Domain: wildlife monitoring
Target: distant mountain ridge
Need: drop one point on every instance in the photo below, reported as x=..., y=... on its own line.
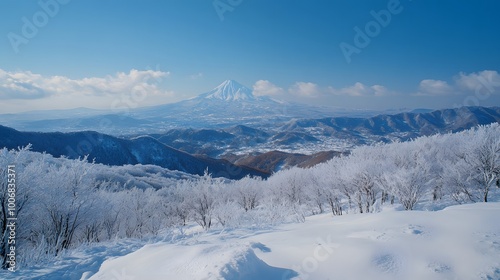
x=402, y=126
x=230, y=103
x=259, y=149
x=338, y=133
x=111, y=150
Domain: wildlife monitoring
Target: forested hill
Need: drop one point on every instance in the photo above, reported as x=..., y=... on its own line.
x=111, y=150
x=402, y=126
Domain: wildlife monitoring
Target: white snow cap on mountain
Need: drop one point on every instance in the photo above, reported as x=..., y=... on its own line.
x=230, y=90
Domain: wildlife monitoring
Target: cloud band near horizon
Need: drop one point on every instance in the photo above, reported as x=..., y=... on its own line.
x=25, y=85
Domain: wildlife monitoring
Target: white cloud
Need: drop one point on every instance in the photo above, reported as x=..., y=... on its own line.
x=359, y=89
x=264, y=87
x=484, y=81
x=434, y=88
x=27, y=85
x=196, y=76
x=304, y=89
x=379, y=90
x=487, y=79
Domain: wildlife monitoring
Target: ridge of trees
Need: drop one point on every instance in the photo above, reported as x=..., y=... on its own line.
x=64, y=203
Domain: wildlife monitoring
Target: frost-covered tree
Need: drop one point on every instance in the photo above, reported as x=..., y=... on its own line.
x=315, y=191
x=15, y=194
x=175, y=204
x=248, y=192
x=361, y=171
x=202, y=200
x=288, y=188
x=65, y=203
x=483, y=157
x=328, y=175
x=410, y=176
x=471, y=167
x=456, y=177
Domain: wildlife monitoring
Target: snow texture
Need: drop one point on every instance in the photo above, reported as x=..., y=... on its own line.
x=459, y=242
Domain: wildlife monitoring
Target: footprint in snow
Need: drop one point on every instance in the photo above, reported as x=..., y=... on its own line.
x=439, y=267
x=414, y=229
x=387, y=263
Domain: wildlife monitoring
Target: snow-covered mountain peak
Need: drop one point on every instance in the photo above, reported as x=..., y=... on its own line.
x=230, y=90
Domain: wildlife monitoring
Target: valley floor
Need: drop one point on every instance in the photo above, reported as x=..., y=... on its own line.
x=458, y=242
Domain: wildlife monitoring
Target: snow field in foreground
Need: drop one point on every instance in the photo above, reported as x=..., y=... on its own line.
x=459, y=242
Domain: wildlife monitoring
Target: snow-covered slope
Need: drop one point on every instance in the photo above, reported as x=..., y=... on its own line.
x=459, y=242
x=229, y=90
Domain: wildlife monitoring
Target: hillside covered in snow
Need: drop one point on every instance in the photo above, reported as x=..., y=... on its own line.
x=80, y=219
x=459, y=242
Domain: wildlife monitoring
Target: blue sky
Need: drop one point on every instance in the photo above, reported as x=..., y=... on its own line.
x=432, y=54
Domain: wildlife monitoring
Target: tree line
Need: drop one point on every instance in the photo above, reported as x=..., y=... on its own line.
x=65, y=203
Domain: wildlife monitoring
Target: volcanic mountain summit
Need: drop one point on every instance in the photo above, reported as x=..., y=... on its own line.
x=229, y=90
x=230, y=103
